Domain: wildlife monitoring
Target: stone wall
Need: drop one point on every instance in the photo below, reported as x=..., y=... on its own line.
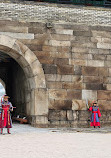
x=76, y=59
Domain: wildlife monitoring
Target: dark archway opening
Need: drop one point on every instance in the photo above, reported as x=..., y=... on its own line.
x=15, y=81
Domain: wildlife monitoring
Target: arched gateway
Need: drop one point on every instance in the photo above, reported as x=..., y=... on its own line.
x=36, y=96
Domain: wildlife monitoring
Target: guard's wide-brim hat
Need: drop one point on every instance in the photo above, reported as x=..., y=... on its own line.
x=6, y=97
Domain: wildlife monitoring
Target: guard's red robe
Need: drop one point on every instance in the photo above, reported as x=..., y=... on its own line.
x=5, y=117
x=95, y=116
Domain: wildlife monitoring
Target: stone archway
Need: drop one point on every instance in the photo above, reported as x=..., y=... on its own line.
x=37, y=97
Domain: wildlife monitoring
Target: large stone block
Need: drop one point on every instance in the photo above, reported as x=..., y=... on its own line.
x=59, y=43
x=94, y=86
x=70, y=116
x=72, y=85
x=107, y=80
x=93, y=79
x=60, y=104
x=89, y=71
x=101, y=34
x=57, y=94
x=74, y=94
x=54, y=85
x=41, y=101
x=60, y=61
x=77, y=70
x=84, y=115
x=64, y=31
x=18, y=35
x=104, y=95
x=80, y=56
x=77, y=78
x=62, y=37
x=103, y=71
x=54, y=115
x=66, y=78
x=104, y=106
x=104, y=45
x=99, y=57
x=50, y=69
x=65, y=69
x=63, y=115
x=84, y=45
x=95, y=63
x=78, y=62
x=82, y=33
x=53, y=77
x=78, y=104
x=79, y=50
x=45, y=60
x=49, y=48
x=89, y=94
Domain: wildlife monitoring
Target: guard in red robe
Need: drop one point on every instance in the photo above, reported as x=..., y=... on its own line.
x=95, y=115
x=5, y=116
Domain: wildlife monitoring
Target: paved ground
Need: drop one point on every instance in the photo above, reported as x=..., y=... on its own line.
x=26, y=141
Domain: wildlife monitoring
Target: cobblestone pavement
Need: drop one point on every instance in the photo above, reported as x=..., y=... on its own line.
x=26, y=141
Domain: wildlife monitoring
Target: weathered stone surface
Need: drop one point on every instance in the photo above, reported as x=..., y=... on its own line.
x=78, y=62
x=77, y=70
x=79, y=50
x=57, y=94
x=41, y=101
x=66, y=32
x=99, y=57
x=101, y=34
x=107, y=80
x=94, y=86
x=59, y=43
x=78, y=104
x=60, y=104
x=107, y=64
x=103, y=72
x=72, y=85
x=84, y=115
x=84, y=45
x=89, y=94
x=45, y=60
x=79, y=56
x=104, y=95
x=77, y=78
x=49, y=69
x=65, y=69
x=53, y=77
x=89, y=71
x=18, y=35
x=66, y=78
x=54, y=85
x=69, y=115
x=82, y=33
x=60, y=61
x=63, y=115
x=15, y=29
x=104, y=105
x=93, y=79
x=95, y=63
x=104, y=45
x=54, y=115
x=62, y=37
x=74, y=94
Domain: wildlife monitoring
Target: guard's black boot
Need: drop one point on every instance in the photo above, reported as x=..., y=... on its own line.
x=8, y=131
x=1, y=130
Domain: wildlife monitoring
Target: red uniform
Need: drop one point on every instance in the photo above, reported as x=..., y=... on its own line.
x=95, y=116
x=5, y=117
